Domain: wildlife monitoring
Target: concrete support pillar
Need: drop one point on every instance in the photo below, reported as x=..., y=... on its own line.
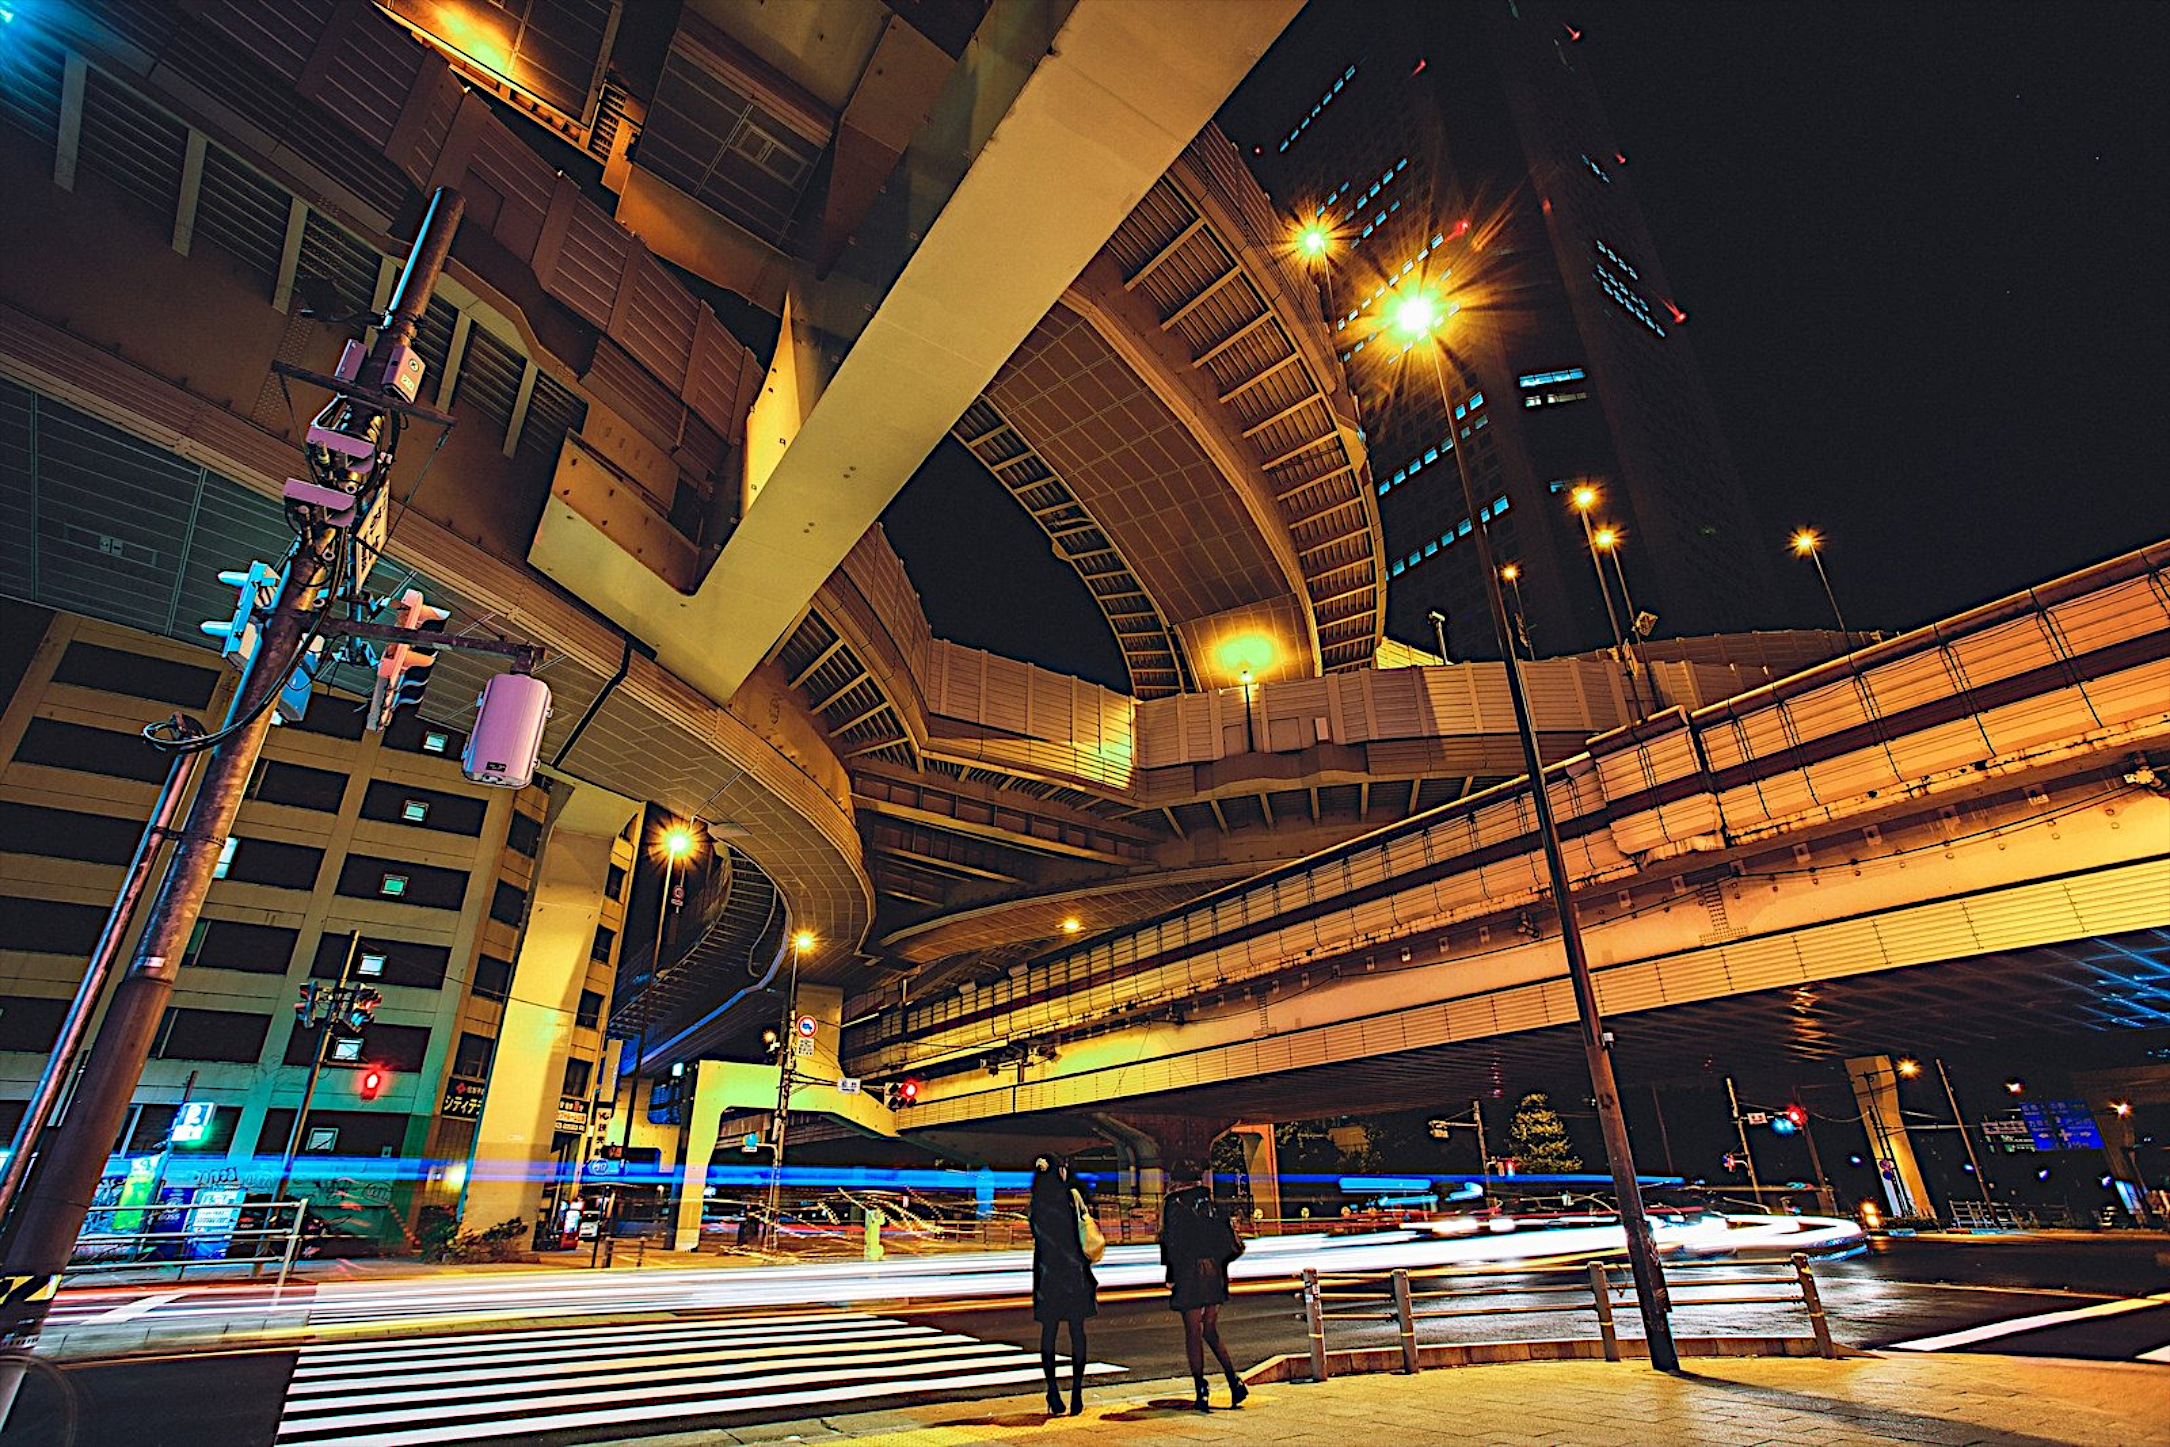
x=1875, y=1080
x=512, y=1159
x=704, y=1107
x=1150, y=1145
x=1262, y=1163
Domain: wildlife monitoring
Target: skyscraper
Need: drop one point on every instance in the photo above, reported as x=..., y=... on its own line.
x=1462, y=148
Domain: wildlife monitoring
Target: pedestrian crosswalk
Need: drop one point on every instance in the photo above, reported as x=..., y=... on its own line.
x=622, y=1379
x=2130, y=1328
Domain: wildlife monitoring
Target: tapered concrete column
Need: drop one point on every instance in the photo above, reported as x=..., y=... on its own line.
x=512, y=1159
x=1153, y=1144
x=1262, y=1163
x=704, y=1114
x=1875, y=1080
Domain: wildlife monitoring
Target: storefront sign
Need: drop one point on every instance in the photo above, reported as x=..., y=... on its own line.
x=463, y=1099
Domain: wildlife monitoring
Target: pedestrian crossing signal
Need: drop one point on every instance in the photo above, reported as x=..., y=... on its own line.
x=371, y=1084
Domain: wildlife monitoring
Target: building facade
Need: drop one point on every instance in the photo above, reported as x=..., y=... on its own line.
x=358, y=853
x=1463, y=149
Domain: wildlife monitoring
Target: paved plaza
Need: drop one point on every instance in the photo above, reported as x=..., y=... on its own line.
x=1742, y=1402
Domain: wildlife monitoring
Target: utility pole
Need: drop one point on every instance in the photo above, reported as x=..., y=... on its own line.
x=353, y=429
x=1824, y=1197
x=1966, y=1137
x=1748, y=1157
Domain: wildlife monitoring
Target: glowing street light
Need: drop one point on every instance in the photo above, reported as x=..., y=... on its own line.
x=1417, y=315
x=1315, y=241
x=1072, y=925
x=1511, y=575
x=1909, y=1068
x=1808, y=543
x=1585, y=497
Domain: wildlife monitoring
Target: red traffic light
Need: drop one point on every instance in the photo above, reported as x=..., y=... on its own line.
x=370, y=1083
x=908, y=1091
x=1797, y=1115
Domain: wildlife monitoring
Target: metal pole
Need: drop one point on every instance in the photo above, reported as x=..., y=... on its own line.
x=1650, y=1293
x=1966, y=1138
x=1816, y=556
x=1748, y=1157
x=1612, y=619
x=786, y=1047
x=1484, y=1157
x=38, y=1110
x=66, y=1179
x=1824, y=1198
x=1640, y=660
x=333, y=1004
x=1665, y=1139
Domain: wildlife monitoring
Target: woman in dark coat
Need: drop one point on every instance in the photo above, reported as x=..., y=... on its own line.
x=1197, y=1241
x=1063, y=1288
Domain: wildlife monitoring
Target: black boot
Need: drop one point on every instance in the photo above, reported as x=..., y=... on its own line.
x=1203, y=1404
x=1236, y=1390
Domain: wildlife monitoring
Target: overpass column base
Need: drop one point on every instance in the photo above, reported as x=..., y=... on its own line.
x=1150, y=1145
x=1262, y=1164
x=1875, y=1079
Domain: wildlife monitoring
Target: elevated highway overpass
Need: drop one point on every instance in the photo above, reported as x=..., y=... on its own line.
x=1960, y=822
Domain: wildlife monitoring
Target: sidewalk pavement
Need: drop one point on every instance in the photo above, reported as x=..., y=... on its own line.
x=1960, y=1398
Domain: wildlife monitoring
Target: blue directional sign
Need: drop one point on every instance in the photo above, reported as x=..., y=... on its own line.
x=2061, y=1125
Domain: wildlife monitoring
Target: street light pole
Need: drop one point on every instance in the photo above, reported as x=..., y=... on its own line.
x=1808, y=543
x=786, y=1077
x=1740, y=1127
x=1638, y=661
x=1650, y=1291
x=1584, y=497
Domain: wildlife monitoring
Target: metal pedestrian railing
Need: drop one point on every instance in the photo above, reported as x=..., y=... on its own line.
x=255, y=1235
x=1598, y=1290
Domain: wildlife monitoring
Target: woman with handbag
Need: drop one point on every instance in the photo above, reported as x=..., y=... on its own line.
x=1063, y=1288
x=1197, y=1241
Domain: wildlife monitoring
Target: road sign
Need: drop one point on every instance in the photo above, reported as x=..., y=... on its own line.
x=192, y=1124
x=802, y=1047
x=2061, y=1125
x=1888, y=1169
x=808, y=1026
x=751, y=1143
x=847, y=1085
x=1757, y=1117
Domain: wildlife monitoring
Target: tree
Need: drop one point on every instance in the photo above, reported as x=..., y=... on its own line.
x=1540, y=1138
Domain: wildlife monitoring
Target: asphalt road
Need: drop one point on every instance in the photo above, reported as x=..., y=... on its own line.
x=2082, y=1297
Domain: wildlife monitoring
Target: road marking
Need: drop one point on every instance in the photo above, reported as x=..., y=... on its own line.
x=141, y=1306
x=2019, y=1324
x=408, y=1391
x=2160, y=1354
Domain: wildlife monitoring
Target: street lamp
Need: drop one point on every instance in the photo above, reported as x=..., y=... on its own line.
x=1417, y=316
x=1585, y=497
x=786, y=1076
x=1808, y=543
x=676, y=844
x=1607, y=540
x=1511, y=575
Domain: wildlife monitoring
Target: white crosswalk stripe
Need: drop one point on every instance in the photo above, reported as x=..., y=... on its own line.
x=513, y=1384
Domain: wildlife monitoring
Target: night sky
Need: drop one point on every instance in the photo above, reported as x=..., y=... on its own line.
x=1922, y=250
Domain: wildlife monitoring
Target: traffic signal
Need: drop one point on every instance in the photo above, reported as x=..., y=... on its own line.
x=305, y=1005
x=293, y=700
x=403, y=669
x=362, y=1009
x=255, y=591
x=1794, y=1117
x=898, y=1094
x=370, y=1083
